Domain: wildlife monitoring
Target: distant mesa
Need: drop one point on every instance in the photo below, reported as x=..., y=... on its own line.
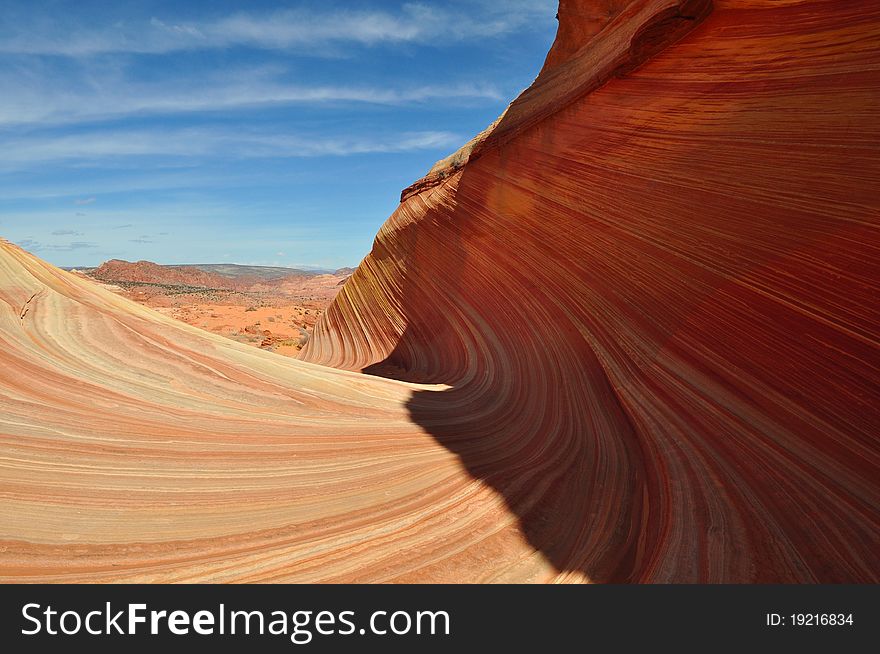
x=201, y=275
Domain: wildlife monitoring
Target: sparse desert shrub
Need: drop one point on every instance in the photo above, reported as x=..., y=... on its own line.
x=289, y=342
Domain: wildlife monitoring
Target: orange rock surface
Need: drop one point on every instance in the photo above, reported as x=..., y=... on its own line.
x=629, y=334
x=657, y=307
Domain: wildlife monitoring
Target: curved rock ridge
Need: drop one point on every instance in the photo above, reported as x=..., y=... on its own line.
x=597, y=40
x=134, y=448
x=634, y=341
x=654, y=297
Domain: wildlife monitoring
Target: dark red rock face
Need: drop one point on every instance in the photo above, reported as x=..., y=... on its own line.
x=654, y=295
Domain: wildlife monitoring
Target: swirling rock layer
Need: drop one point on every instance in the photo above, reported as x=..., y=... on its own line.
x=136, y=448
x=633, y=326
x=657, y=307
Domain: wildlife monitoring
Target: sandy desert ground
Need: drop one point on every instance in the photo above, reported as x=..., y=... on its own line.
x=274, y=309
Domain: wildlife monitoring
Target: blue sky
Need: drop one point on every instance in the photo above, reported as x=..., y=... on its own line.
x=266, y=133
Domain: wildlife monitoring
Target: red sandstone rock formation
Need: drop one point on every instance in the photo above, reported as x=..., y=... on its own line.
x=653, y=288
x=642, y=306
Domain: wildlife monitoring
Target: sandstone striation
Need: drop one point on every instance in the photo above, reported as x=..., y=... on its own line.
x=630, y=334
x=653, y=288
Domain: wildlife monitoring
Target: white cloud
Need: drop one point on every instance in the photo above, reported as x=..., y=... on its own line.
x=297, y=28
x=49, y=90
x=46, y=97
x=21, y=152
x=37, y=246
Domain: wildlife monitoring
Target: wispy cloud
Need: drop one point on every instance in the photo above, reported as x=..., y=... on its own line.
x=37, y=246
x=66, y=232
x=302, y=28
x=84, y=201
x=21, y=152
x=47, y=97
x=76, y=84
